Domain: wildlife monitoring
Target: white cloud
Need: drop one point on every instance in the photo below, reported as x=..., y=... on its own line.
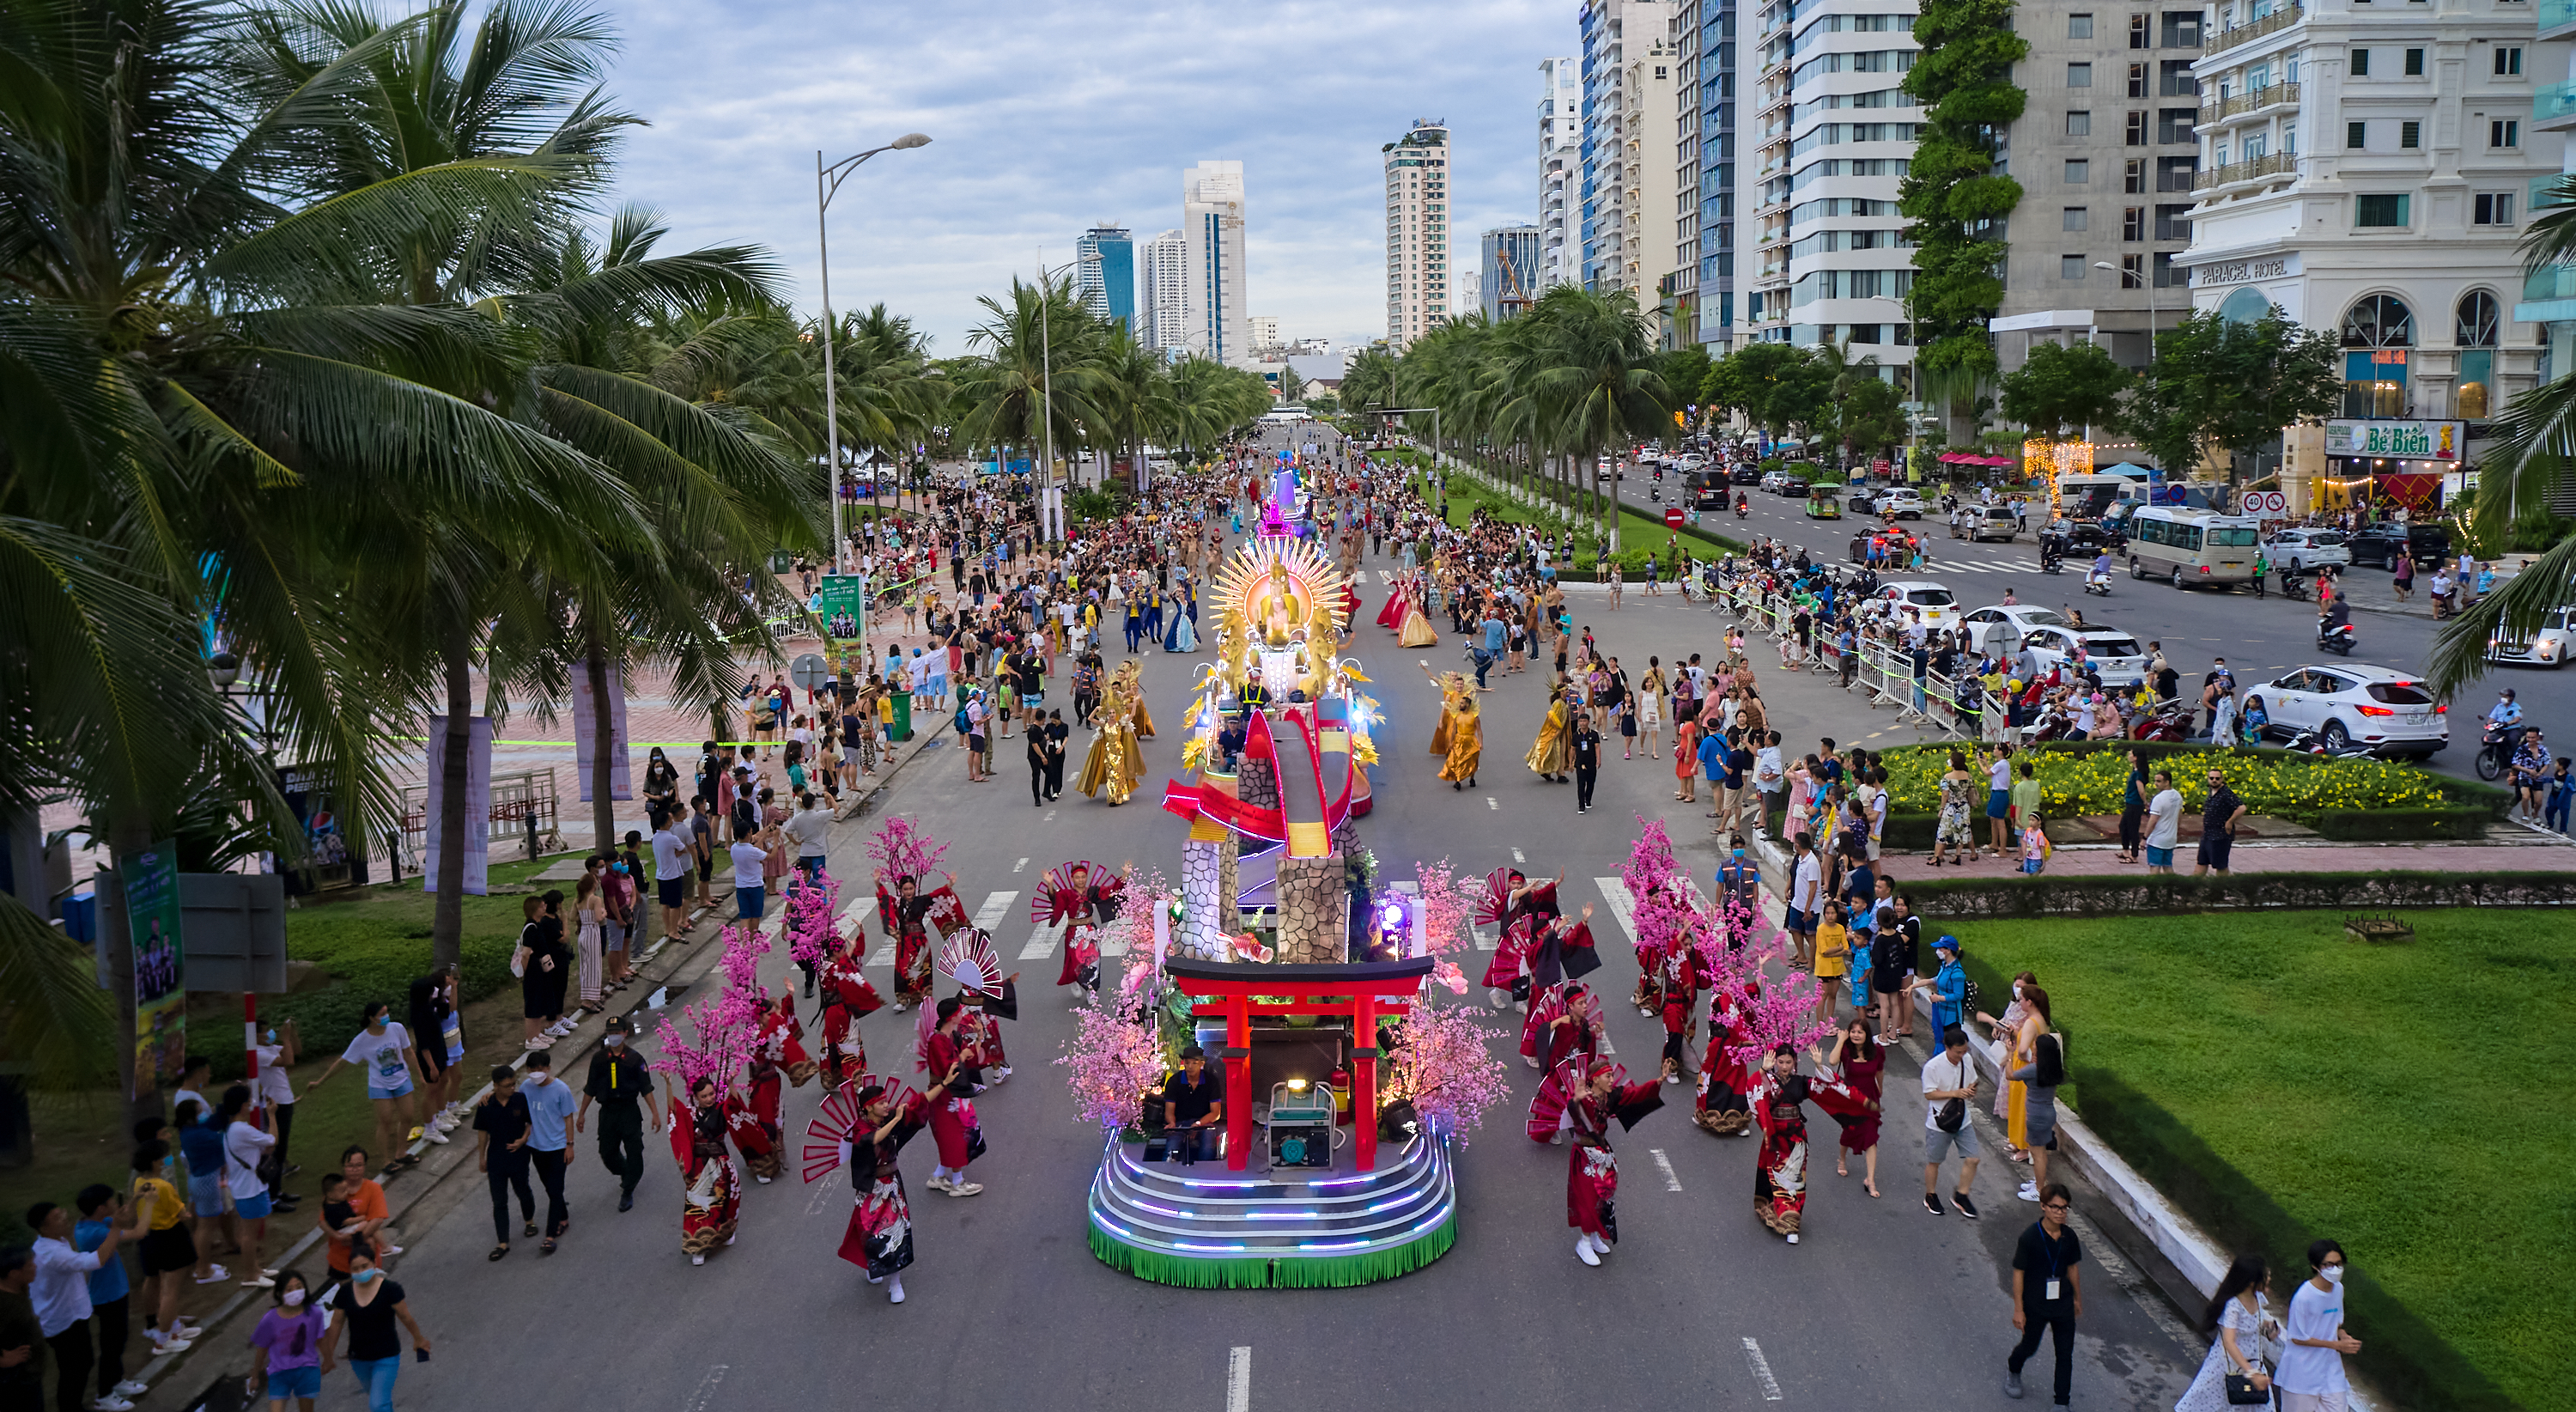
x=1046, y=118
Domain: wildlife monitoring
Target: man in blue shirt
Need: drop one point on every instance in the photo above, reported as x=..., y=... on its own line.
x=1494, y=644
x=550, y=1108
x=1949, y=986
x=100, y=1208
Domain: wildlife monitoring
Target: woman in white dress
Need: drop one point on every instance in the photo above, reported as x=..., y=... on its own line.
x=2241, y=1318
x=1650, y=708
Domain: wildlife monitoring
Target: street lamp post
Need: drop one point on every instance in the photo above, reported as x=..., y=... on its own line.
x=1046, y=385
x=827, y=183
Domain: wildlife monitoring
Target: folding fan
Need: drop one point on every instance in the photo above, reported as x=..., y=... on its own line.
x=969, y=959
x=838, y=1120
x=1060, y=879
x=1498, y=895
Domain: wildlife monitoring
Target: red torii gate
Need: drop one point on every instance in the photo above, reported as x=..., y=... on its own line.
x=1363, y=990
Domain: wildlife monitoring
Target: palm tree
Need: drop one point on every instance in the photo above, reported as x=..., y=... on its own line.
x=1597, y=368
x=1039, y=351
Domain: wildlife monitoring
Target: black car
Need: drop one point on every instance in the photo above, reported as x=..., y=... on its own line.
x=2087, y=534
x=2377, y=545
x=1745, y=473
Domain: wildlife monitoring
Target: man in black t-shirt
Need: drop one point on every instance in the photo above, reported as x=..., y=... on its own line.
x=501, y=1129
x=1587, y=761
x=1193, y=1107
x=621, y=1083
x=2048, y=1292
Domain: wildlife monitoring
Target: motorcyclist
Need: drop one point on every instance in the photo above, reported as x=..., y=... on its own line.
x=2101, y=567
x=2334, y=618
x=2506, y=714
x=2052, y=542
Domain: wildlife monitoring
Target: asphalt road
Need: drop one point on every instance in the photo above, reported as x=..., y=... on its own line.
x=2261, y=639
x=1882, y=1306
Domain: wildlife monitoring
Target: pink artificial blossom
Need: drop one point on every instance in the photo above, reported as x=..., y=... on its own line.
x=901, y=849
x=1115, y=1058
x=1442, y=1066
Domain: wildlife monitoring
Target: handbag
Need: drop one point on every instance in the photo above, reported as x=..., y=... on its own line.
x=1952, y=1116
x=2241, y=1392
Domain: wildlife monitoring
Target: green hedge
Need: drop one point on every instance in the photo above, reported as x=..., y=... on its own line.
x=2086, y=777
x=2018, y=896
x=2381, y=825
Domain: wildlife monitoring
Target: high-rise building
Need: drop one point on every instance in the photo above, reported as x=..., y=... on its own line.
x=2370, y=169
x=1560, y=174
x=2106, y=152
x=1614, y=31
x=1702, y=298
x=1213, y=280
x=1263, y=331
x=1166, y=287
x=1837, y=133
x=2549, y=300
x=1508, y=270
x=1105, y=273
x=1417, y=232
x=1647, y=174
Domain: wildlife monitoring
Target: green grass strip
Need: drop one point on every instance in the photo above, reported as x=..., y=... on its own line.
x=1284, y=1272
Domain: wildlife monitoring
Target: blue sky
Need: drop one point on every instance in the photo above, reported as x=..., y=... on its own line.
x=1046, y=118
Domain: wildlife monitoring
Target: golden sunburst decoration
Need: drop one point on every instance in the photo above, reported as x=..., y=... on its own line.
x=1268, y=581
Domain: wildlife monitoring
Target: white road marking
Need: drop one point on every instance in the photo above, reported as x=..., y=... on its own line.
x=1672, y=1181
x=1490, y=804
x=1615, y=892
x=1517, y=858
x=1606, y=1046
x=1238, y=1379
x=824, y=1186
x=882, y=956
x=1041, y=944
x=852, y=910
x=1761, y=1371
x=705, y=1396
x=995, y=906
x=1483, y=942
x=1020, y=865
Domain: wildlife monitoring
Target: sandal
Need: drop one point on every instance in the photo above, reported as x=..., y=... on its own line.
x=529, y=1229
x=498, y=1252
x=1872, y=1190
x=548, y=1248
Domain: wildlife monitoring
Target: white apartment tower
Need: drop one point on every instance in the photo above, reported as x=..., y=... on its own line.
x=1417, y=232
x=1651, y=184
x=1615, y=33
x=1560, y=174
x=1162, y=265
x=1213, y=266
x=1833, y=132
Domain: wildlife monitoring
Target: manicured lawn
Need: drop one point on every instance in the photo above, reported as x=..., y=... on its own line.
x=2282, y=1081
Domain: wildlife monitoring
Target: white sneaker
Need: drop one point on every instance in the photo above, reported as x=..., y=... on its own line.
x=965, y=1188
x=1793, y=1237
x=218, y=1277
x=764, y=1181
x=131, y=1388
x=697, y=1259
x=111, y=1403
x=2029, y=1191
x=392, y=1250
x=1557, y=1138
x=1001, y=1073
x=895, y=1295
x=1583, y=1250
x=435, y=1133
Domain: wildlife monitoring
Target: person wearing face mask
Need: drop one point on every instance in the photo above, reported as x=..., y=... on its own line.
x=383, y=1051
x=2314, y=1344
x=286, y=1348
x=621, y=1084
x=550, y=1111
x=368, y=1304
x=501, y=1128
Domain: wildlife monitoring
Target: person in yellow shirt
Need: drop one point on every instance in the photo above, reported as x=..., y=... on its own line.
x=1833, y=958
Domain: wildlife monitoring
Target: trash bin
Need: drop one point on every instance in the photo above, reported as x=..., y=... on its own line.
x=900, y=728
x=780, y=561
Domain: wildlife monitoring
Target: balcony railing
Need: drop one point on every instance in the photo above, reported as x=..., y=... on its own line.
x=2252, y=30
x=2545, y=192
x=2555, y=14
x=2251, y=100
x=2269, y=164
x=2558, y=100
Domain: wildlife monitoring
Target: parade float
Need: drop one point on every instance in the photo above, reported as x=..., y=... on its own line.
x=1304, y=978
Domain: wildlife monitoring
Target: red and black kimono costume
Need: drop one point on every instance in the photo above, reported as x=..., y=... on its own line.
x=879, y=1237
x=907, y=923
x=1511, y=953
x=1780, y=1173
x=986, y=1023
x=1677, y=987
x=846, y=996
x=711, y=1187
x=1591, y=1168
x=1561, y=953
x=1861, y=1074
x=756, y=1133
x=1082, y=912
x=782, y=1038
x=1723, y=1110
x=951, y=1117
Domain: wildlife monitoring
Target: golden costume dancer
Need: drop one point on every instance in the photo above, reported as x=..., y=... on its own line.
x=1553, y=751
x=1453, y=690
x=1417, y=631
x=1112, y=762
x=1131, y=675
x=1466, y=745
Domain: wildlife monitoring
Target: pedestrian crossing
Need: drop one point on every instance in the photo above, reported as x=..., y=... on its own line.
x=996, y=906
x=1041, y=943
x=1614, y=891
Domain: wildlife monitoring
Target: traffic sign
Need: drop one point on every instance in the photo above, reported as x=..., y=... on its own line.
x=1672, y=517
x=2266, y=502
x=809, y=672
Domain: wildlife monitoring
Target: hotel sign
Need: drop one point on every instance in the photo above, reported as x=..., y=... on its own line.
x=2409, y=441
x=2245, y=271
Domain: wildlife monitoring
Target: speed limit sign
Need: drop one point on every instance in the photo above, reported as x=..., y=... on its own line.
x=2266, y=502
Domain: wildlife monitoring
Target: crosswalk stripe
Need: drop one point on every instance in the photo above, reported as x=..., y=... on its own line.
x=1483, y=941
x=1041, y=944
x=882, y=956
x=1614, y=891
x=996, y=905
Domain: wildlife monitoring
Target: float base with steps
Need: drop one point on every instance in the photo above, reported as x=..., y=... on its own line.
x=1204, y=1227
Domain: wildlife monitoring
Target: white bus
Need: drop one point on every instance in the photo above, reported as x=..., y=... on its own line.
x=2191, y=548
x=2084, y=495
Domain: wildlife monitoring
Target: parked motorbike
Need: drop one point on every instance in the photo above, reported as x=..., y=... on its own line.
x=2168, y=721
x=2336, y=639
x=2098, y=582
x=2295, y=585
x=2314, y=744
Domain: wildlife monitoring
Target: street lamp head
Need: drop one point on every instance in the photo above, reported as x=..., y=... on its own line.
x=2104, y=265
x=223, y=669
x=909, y=141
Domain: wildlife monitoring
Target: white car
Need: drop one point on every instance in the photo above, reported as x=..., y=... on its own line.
x=2349, y=704
x=1995, y=628
x=2548, y=647
x=2113, y=655
x=2299, y=551
x=1931, y=602
x=1903, y=501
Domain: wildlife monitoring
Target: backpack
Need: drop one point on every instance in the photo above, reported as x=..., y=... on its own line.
x=961, y=721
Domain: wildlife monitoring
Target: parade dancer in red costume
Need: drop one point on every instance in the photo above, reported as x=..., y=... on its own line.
x=846, y=996
x=1722, y=1109
x=879, y=1237
x=1071, y=898
x=1780, y=1097
x=908, y=914
x=751, y=1117
x=712, y=1187
x=953, y=1061
x=782, y=1038
x=1592, y=1169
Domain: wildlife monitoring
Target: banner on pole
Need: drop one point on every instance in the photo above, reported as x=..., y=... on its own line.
x=151, y=884
x=478, y=804
x=585, y=733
